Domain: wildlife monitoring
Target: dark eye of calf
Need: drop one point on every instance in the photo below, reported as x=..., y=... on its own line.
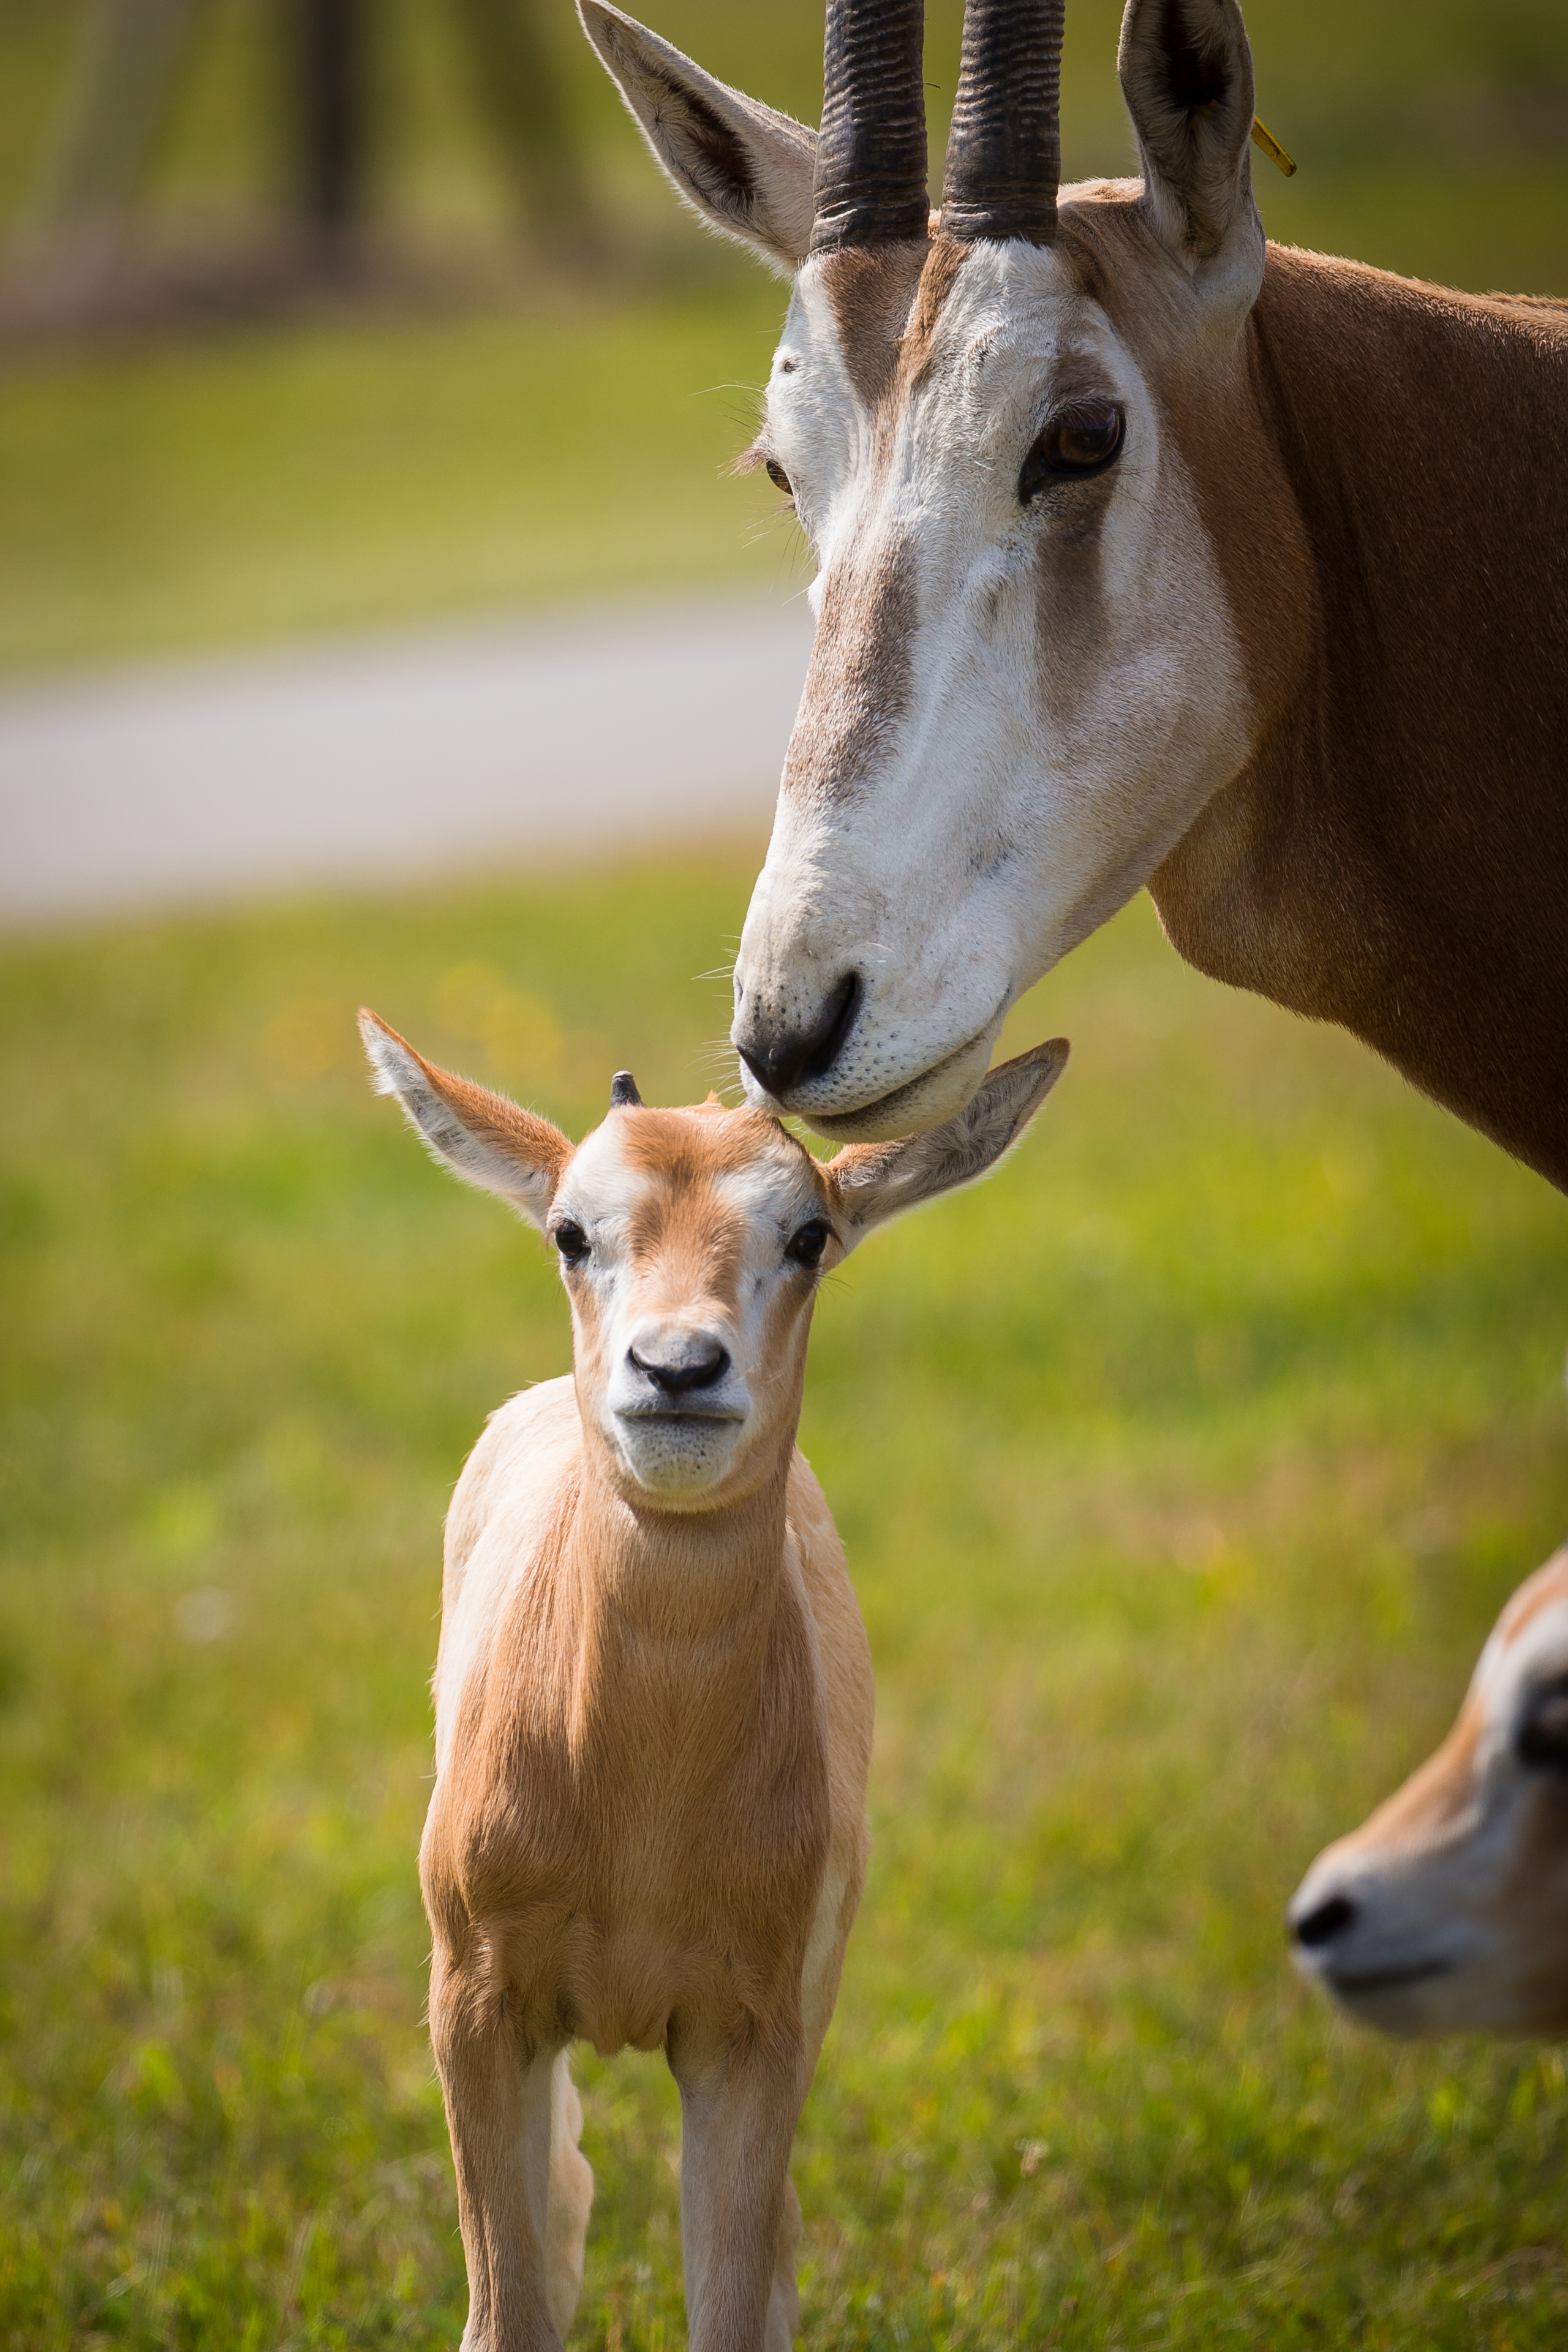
x=571, y=1240
x=1078, y=442
x=806, y=1248
x=1544, y=1734
x=777, y=477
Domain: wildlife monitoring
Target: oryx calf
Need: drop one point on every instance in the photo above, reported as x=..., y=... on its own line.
x=1447, y=1910
x=653, y=1696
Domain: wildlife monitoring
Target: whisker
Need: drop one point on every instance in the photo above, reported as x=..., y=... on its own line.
x=763, y=523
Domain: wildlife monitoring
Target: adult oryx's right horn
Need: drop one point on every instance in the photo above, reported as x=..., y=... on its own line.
x=1004, y=151
x=871, y=184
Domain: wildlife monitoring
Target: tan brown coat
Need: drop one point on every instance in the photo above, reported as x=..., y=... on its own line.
x=653, y=1694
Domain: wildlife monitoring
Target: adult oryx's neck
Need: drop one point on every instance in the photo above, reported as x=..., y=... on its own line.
x=1395, y=857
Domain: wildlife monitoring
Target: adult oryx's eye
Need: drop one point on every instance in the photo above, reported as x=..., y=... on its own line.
x=777, y=477
x=1082, y=440
x=571, y=1240
x=1544, y=1734
x=804, y=1246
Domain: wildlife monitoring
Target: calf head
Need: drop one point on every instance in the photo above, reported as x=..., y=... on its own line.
x=1004, y=431
x=690, y=1244
x=1447, y=1910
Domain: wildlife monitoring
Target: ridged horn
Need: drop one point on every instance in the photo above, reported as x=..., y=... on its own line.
x=871, y=166
x=1004, y=151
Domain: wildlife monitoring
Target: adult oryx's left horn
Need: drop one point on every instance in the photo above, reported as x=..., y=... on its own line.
x=1004, y=151
x=871, y=171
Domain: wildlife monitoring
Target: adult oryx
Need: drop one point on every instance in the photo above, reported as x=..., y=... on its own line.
x=1147, y=553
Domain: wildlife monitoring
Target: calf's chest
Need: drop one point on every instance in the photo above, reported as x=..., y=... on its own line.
x=643, y=1838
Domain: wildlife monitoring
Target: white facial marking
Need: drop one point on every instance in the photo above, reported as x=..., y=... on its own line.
x=1052, y=692
x=697, y=1309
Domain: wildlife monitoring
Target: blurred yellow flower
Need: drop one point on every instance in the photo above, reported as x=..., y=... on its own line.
x=519, y=1031
x=310, y=1035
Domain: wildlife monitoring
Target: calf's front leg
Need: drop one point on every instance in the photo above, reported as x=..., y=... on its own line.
x=524, y=2186
x=740, y=2217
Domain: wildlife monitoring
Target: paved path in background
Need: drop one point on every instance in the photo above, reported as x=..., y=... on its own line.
x=510, y=743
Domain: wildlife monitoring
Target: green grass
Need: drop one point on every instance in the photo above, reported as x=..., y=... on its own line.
x=1181, y=1470
x=345, y=474
x=367, y=475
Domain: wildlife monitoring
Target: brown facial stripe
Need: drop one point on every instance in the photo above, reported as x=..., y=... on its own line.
x=944, y=259
x=1546, y=1587
x=683, y=1153
x=858, y=687
x=1072, y=618
x=885, y=302
x=869, y=290
x=1436, y=1793
x=697, y=1240
x=693, y=1145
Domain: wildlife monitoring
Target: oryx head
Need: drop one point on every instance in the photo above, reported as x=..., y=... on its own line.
x=1447, y=1911
x=1004, y=429
x=690, y=1242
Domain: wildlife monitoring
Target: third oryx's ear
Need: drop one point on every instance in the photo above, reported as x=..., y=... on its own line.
x=1186, y=76
x=745, y=169
x=480, y=1137
x=874, y=1181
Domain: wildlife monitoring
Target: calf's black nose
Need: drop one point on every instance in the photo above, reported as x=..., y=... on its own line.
x=1324, y=1922
x=779, y=1055
x=698, y=1363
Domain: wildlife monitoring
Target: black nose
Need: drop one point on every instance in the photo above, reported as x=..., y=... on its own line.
x=1328, y=1920
x=696, y=1363
x=779, y=1057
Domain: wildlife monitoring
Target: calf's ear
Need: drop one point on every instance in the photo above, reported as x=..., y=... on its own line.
x=874, y=1181
x=1186, y=75
x=746, y=170
x=479, y=1136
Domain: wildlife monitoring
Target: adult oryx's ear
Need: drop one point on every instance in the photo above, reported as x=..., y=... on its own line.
x=745, y=169
x=1186, y=76
x=874, y=1181
x=481, y=1136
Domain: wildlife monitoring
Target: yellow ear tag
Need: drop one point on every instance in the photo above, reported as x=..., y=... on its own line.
x=1271, y=148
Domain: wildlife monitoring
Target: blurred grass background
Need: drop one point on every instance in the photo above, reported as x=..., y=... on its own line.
x=366, y=469
x=1181, y=1470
